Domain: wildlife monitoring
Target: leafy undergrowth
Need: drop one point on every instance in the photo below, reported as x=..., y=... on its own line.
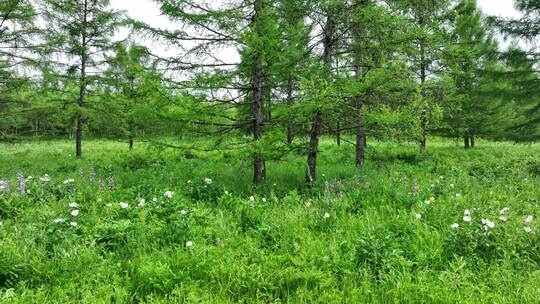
x=159, y=226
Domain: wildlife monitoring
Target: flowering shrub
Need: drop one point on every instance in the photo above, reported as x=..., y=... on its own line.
x=204, y=189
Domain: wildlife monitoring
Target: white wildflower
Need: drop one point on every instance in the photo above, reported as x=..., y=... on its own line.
x=327, y=215
x=418, y=216
x=467, y=219
x=183, y=212
x=504, y=210
x=73, y=205
x=142, y=201
x=454, y=226
x=528, y=229
x=467, y=212
x=251, y=198
x=69, y=181
x=74, y=224
x=488, y=224
x=58, y=220
x=123, y=205
x=264, y=199
x=529, y=219
x=208, y=181
x=45, y=178
x=189, y=244
x=169, y=194
x=154, y=199
x=75, y=212
x=503, y=218
x=109, y=205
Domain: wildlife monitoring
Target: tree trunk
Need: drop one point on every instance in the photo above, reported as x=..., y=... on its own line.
x=82, y=89
x=472, y=141
x=130, y=142
x=423, y=77
x=290, y=135
x=311, y=173
x=358, y=102
x=259, y=170
x=338, y=134
x=466, y=141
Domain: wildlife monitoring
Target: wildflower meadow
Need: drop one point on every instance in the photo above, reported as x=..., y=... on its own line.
x=150, y=225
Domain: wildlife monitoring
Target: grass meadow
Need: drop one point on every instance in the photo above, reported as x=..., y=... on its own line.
x=169, y=226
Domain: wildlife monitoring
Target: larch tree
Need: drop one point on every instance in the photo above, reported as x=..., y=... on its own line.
x=78, y=35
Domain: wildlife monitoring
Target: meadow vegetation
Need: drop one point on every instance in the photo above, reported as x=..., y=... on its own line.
x=165, y=226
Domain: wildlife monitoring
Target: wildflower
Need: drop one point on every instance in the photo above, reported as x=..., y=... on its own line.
x=189, y=181
x=418, y=216
x=1, y=223
x=142, y=201
x=528, y=229
x=45, y=178
x=69, y=181
x=427, y=202
x=414, y=188
x=251, y=198
x=123, y=205
x=367, y=186
x=109, y=205
x=503, y=218
x=58, y=220
x=504, y=211
x=452, y=186
x=169, y=194
x=264, y=199
x=432, y=186
x=91, y=174
x=208, y=181
x=183, y=212
x=29, y=178
x=81, y=173
x=432, y=199
x=111, y=183
x=467, y=212
x=75, y=212
x=73, y=205
x=326, y=215
x=458, y=194
x=529, y=219
x=4, y=186
x=454, y=226
x=74, y=224
x=488, y=224
x=189, y=244
x=21, y=188
x=441, y=177
x=101, y=185
x=154, y=199
x=226, y=192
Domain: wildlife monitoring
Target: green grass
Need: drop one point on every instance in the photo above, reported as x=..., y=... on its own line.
x=371, y=248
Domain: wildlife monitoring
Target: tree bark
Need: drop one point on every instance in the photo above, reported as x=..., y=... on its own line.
x=82, y=87
x=338, y=134
x=290, y=134
x=358, y=102
x=259, y=170
x=311, y=173
x=130, y=142
x=472, y=141
x=423, y=114
x=466, y=141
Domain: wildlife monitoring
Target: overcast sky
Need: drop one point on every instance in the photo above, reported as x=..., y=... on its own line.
x=147, y=11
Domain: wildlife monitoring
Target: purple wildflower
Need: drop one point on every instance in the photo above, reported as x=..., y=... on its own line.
x=111, y=183
x=21, y=188
x=91, y=174
x=81, y=173
x=414, y=188
x=101, y=185
x=4, y=186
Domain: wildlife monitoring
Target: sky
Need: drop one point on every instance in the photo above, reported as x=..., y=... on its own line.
x=148, y=12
